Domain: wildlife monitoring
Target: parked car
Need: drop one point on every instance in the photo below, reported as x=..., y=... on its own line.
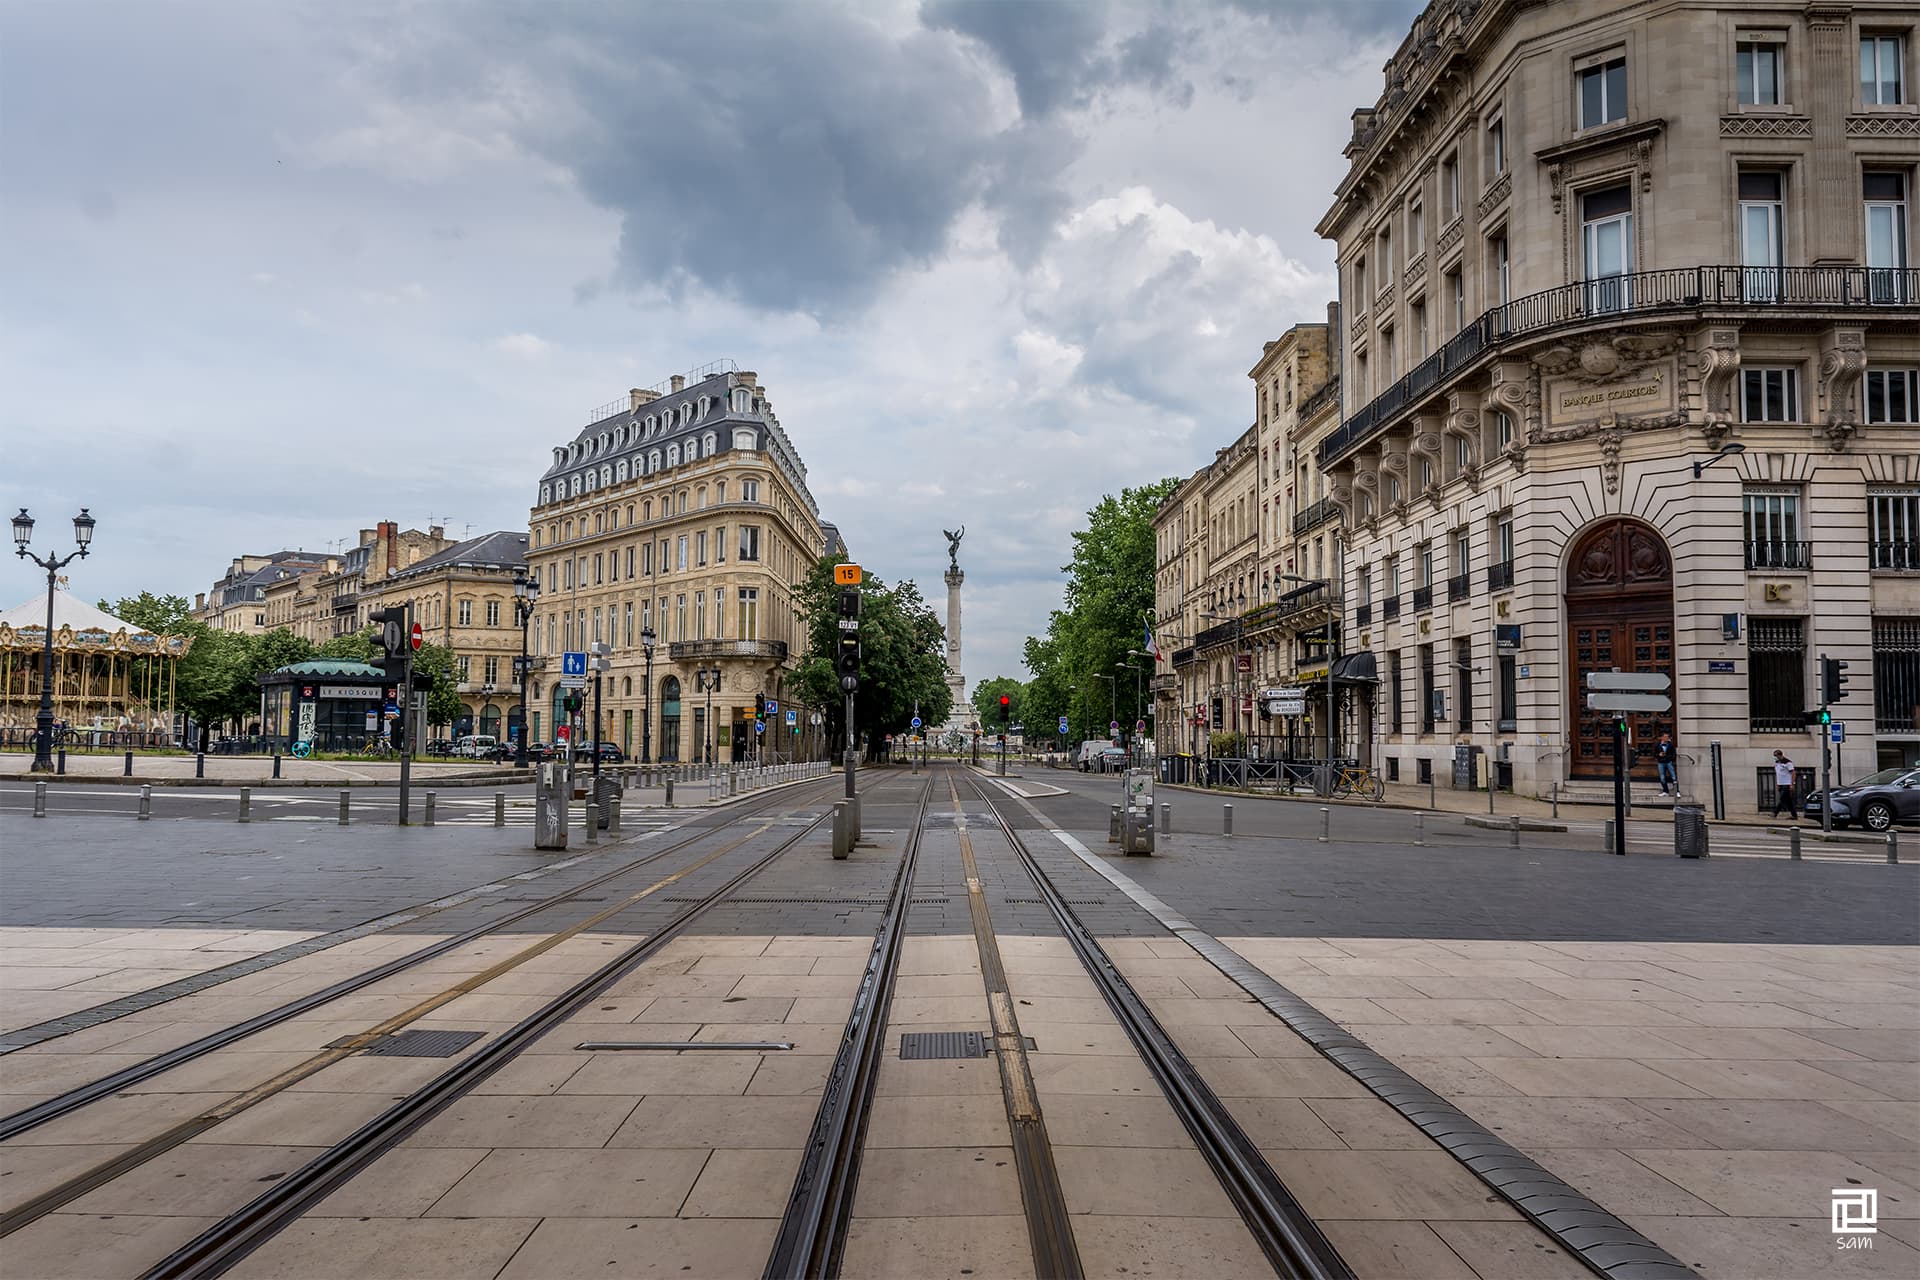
x=476, y=746
x=541, y=752
x=1875, y=802
x=610, y=753
x=1087, y=756
x=1113, y=760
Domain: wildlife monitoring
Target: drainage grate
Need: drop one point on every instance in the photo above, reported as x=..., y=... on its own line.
x=943, y=1044
x=749, y=899
x=1041, y=902
x=422, y=1044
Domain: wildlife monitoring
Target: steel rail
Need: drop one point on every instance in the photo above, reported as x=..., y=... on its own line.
x=813, y=1230
x=232, y=1238
x=32, y=1117
x=1285, y=1231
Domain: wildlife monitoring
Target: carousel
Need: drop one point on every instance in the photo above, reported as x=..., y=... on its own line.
x=113, y=684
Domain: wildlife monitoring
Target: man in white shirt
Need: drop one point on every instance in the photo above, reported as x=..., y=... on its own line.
x=1783, y=797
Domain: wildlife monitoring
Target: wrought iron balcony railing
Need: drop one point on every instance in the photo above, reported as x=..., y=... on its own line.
x=685, y=650
x=1779, y=555
x=1500, y=576
x=1459, y=586
x=1422, y=598
x=1902, y=557
x=1638, y=293
x=1316, y=515
x=1389, y=608
x=1362, y=614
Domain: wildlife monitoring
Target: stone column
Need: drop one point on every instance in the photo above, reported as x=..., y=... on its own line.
x=956, y=681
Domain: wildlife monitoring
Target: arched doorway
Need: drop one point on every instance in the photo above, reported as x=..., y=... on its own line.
x=670, y=719
x=1619, y=618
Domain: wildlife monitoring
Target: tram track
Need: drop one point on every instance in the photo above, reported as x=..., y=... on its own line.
x=29, y=1118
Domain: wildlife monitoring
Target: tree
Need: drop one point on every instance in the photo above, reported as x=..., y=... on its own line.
x=901, y=664
x=1108, y=599
x=443, y=700
x=354, y=646
x=162, y=615
x=986, y=701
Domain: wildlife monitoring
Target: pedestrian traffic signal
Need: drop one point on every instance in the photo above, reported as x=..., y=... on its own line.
x=570, y=701
x=760, y=706
x=1833, y=680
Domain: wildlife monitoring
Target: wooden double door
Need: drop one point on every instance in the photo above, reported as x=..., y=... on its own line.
x=1619, y=618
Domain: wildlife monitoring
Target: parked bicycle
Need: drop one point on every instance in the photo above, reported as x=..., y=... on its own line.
x=1358, y=780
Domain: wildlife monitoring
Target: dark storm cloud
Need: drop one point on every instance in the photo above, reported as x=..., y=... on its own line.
x=1362, y=17
x=1056, y=51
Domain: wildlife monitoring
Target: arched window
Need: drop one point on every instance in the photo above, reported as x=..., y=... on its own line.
x=704, y=401
x=673, y=455
x=742, y=400
x=620, y=470
x=712, y=443
x=546, y=494
x=646, y=510
x=576, y=486
x=569, y=528
x=626, y=687
x=629, y=513
x=653, y=461
x=651, y=420
x=606, y=476
x=619, y=433
x=686, y=413
x=599, y=522
x=605, y=440
x=670, y=719
x=743, y=438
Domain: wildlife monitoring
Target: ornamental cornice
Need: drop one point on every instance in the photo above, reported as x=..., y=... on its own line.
x=1416, y=272
x=1883, y=126
x=1449, y=236
x=1495, y=195
x=1766, y=127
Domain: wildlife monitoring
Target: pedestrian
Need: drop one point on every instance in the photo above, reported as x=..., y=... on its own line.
x=1783, y=785
x=1663, y=761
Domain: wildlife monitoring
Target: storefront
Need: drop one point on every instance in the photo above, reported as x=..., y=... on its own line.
x=334, y=706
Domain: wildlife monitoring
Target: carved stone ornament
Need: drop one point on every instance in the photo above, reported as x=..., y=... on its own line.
x=1719, y=362
x=1396, y=463
x=1766, y=127
x=1878, y=126
x=1609, y=441
x=1715, y=434
x=1463, y=422
x=1605, y=360
x=1557, y=180
x=1837, y=434
x=1842, y=363
x=1368, y=481
x=1427, y=442
x=1610, y=424
x=1643, y=162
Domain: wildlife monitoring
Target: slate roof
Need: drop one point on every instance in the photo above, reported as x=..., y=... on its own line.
x=501, y=549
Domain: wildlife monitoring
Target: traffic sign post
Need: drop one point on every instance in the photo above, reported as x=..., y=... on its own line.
x=1617, y=694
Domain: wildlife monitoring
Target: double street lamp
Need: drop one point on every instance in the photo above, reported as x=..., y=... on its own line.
x=1139, y=712
x=647, y=641
x=22, y=535
x=526, y=591
x=707, y=678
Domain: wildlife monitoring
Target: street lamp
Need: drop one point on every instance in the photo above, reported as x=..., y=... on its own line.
x=486, y=700
x=22, y=535
x=1113, y=717
x=1727, y=450
x=526, y=590
x=1139, y=715
x=708, y=678
x=647, y=639
x=1333, y=644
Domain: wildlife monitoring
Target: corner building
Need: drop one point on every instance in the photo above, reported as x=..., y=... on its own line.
x=683, y=511
x=1584, y=246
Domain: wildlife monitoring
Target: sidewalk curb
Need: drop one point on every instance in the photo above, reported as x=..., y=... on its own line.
x=1526, y=824
x=119, y=780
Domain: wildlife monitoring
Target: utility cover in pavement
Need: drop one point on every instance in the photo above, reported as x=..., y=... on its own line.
x=422, y=1044
x=943, y=1044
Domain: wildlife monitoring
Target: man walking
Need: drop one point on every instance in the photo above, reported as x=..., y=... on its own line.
x=1664, y=762
x=1783, y=797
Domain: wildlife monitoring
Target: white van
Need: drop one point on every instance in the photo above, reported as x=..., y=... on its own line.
x=476, y=746
x=1086, y=756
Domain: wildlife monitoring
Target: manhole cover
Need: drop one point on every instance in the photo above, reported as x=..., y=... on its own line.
x=422, y=1044
x=943, y=1044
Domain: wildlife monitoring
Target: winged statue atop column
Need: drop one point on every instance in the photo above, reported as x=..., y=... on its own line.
x=953, y=545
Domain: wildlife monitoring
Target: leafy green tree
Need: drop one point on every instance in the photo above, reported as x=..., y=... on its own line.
x=901, y=642
x=354, y=646
x=162, y=615
x=443, y=701
x=1108, y=598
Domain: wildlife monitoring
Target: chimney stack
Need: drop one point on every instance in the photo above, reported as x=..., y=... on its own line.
x=638, y=396
x=199, y=600
x=678, y=382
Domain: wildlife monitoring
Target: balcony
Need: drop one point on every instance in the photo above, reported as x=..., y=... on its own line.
x=1500, y=576
x=1899, y=557
x=1422, y=599
x=1316, y=515
x=1389, y=608
x=1362, y=614
x=1676, y=289
x=1327, y=394
x=1459, y=586
x=1780, y=555
x=1183, y=657
x=345, y=603
x=697, y=650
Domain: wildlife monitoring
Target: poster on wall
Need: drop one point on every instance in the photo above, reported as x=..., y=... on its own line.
x=306, y=722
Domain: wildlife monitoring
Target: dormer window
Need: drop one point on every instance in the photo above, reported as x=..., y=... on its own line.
x=711, y=443
x=653, y=462
x=673, y=455
x=620, y=470
x=743, y=439
x=546, y=494
x=686, y=414
x=742, y=400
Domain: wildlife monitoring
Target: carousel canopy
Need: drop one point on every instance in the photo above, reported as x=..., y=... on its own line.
x=68, y=611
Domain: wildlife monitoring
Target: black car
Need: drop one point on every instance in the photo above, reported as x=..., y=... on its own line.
x=1875, y=802
x=610, y=753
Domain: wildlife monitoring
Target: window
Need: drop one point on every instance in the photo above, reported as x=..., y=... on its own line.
x=1418, y=320
x=1363, y=583
x=1603, y=93
x=1360, y=384
x=1395, y=693
x=1497, y=146
x=599, y=569
x=1757, y=73
x=1430, y=697
x=630, y=563
x=629, y=611
x=1501, y=264
x=1426, y=472
x=700, y=547
x=720, y=544
x=1462, y=454
x=699, y=615
x=680, y=617
x=1360, y=286
x=465, y=665
x=1503, y=540
x=1426, y=565
x=1386, y=357
x=1416, y=230
x=1450, y=187
x=1894, y=528
x=749, y=491
x=596, y=625
x=1502, y=429
x=749, y=613
x=1606, y=234
x=1386, y=258
x=1772, y=527
x=466, y=613
x=1393, y=577
x=490, y=671
x=1457, y=299
x=1891, y=395
x=1463, y=684
x=1762, y=236
x=1886, y=211
x=1881, y=71
x=1776, y=674
x=680, y=553
x=493, y=613
x=749, y=542
x=719, y=491
x=1769, y=395
x=1462, y=551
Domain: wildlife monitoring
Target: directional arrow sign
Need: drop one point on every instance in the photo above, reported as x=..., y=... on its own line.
x=1629, y=702
x=1629, y=681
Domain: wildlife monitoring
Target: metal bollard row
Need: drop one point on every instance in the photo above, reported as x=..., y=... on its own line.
x=1326, y=823
x=1893, y=847
x=593, y=822
x=1226, y=819
x=1166, y=819
x=127, y=770
x=1793, y=843
x=1419, y=828
x=39, y=799
x=1513, y=831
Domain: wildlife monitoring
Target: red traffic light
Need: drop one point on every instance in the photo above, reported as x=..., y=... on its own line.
x=1005, y=700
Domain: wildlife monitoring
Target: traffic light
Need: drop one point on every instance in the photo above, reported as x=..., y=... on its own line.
x=1006, y=709
x=390, y=627
x=1833, y=680
x=571, y=702
x=760, y=707
x=847, y=659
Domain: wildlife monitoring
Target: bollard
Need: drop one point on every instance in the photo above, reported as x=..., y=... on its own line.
x=127, y=770
x=1113, y=824
x=1166, y=819
x=1793, y=844
x=346, y=800
x=1226, y=819
x=1555, y=792
x=276, y=764
x=1513, y=831
x=593, y=822
x=669, y=791
x=39, y=799
x=1419, y=828
x=246, y=804
x=61, y=767
x=613, y=815
x=1326, y=823
x=1893, y=847
x=200, y=764
x=1430, y=783
x=146, y=803
x=499, y=808
x=1606, y=834
x=431, y=796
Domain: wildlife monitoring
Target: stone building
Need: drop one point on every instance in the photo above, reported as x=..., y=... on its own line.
x=681, y=514
x=313, y=594
x=1586, y=249
x=237, y=601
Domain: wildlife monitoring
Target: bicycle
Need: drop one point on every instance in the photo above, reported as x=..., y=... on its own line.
x=378, y=746
x=1358, y=780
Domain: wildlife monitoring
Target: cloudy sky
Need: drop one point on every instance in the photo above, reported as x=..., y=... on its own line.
x=274, y=271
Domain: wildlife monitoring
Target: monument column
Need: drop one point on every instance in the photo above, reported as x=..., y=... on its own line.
x=956, y=682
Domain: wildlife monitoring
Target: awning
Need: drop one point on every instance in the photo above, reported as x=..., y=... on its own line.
x=1356, y=668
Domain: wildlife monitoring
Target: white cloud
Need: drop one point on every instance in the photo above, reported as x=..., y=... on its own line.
x=525, y=345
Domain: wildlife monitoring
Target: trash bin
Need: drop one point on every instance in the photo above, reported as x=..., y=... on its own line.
x=606, y=789
x=1689, y=830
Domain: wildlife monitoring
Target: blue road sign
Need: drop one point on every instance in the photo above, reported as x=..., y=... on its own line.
x=393, y=709
x=1063, y=724
x=916, y=722
x=1836, y=732
x=573, y=664
x=793, y=717
x=759, y=726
